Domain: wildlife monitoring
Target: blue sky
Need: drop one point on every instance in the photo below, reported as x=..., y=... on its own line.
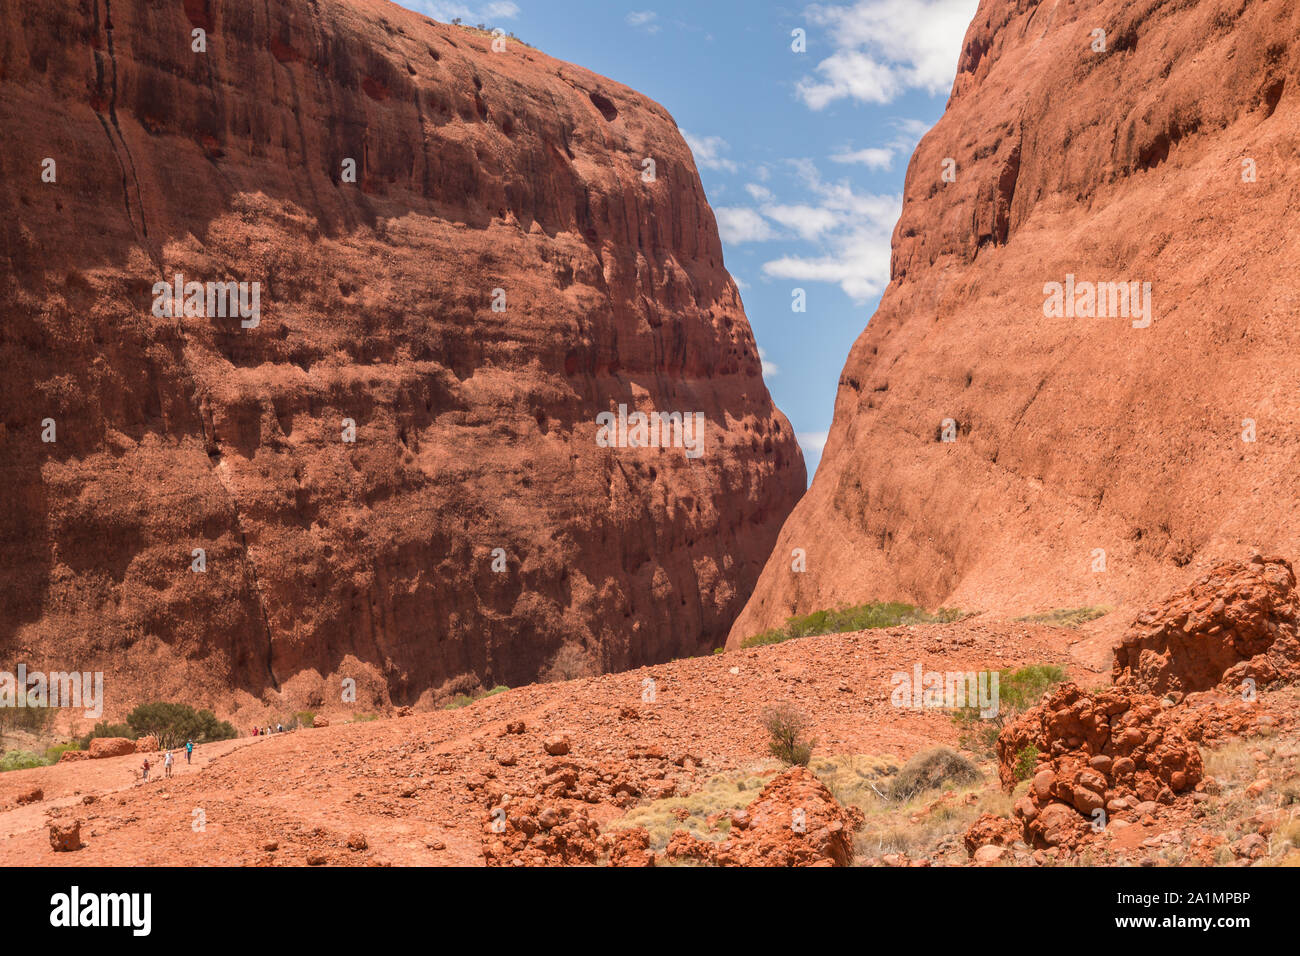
x=802, y=154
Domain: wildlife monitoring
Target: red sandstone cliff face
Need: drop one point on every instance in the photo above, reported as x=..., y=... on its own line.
x=1074, y=436
x=477, y=171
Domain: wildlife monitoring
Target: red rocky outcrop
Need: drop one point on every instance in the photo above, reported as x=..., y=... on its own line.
x=501, y=271
x=1236, y=622
x=1091, y=462
x=1104, y=751
x=111, y=747
x=525, y=832
x=795, y=821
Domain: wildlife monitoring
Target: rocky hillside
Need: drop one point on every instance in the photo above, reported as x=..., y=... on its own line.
x=385, y=464
x=1007, y=434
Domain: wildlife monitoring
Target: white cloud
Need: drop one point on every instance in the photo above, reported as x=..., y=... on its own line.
x=812, y=441
x=876, y=157
x=644, y=20
x=909, y=134
x=885, y=48
x=448, y=10
x=736, y=224
x=769, y=368
x=808, y=221
x=708, y=152
x=854, y=249
x=761, y=193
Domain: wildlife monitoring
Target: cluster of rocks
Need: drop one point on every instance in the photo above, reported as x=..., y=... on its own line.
x=1236, y=623
x=1104, y=751
x=1124, y=751
x=795, y=821
x=528, y=832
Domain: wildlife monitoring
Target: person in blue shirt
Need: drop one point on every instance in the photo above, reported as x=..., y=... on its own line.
x=189, y=749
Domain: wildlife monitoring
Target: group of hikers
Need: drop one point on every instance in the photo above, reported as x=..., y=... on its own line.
x=167, y=760
x=189, y=750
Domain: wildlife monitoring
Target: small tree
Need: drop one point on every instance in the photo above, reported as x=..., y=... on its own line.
x=173, y=724
x=786, y=742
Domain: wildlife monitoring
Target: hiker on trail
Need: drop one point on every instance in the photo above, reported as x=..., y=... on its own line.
x=279, y=728
x=189, y=750
x=146, y=768
x=167, y=764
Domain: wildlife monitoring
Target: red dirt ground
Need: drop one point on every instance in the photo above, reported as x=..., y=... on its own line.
x=306, y=792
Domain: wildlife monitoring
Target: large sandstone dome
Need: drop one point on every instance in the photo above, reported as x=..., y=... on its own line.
x=1095, y=459
x=503, y=269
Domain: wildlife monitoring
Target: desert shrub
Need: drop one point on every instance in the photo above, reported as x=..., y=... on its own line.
x=464, y=700
x=1026, y=761
x=1018, y=690
x=932, y=770
x=1067, y=616
x=570, y=662
x=860, y=617
x=785, y=728
x=173, y=724
x=21, y=760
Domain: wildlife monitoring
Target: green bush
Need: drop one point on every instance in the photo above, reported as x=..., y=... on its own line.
x=1026, y=761
x=53, y=753
x=464, y=700
x=860, y=617
x=21, y=760
x=786, y=742
x=932, y=770
x=173, y=724
x=1018, y=690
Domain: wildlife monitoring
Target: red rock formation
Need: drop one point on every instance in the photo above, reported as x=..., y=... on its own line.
x=476, y=171
x=795, y=821
x=111, y=747
x=1236, y=622
x=1106, y=751
x=1073, y=436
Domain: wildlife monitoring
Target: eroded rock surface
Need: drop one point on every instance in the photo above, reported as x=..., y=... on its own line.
x=1091, y=462
x=1236, y=622
x=499, y=273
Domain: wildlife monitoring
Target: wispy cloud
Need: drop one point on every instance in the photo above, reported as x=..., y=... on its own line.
x=448, y=10
x=814, y=442
x=738, y=224
x=883, y=48
x=708, y=152
x=644, y=20
x=770, y=368
x=910, y=132
x=852, y=232
x=875, y=157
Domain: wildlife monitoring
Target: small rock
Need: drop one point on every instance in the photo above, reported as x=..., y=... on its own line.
x=65, y=836
x=989, y=853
